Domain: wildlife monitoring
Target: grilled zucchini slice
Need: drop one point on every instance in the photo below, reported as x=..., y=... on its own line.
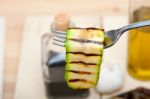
x=84, y=50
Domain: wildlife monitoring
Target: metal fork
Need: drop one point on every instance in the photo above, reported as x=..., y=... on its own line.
x=111, y=37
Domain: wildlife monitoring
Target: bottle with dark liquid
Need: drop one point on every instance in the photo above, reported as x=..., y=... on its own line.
x=139, y=40
x=53, y=63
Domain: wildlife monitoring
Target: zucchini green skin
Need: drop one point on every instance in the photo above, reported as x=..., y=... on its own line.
x=90, y=75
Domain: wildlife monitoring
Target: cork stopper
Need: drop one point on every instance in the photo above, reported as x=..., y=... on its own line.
x=61, y=21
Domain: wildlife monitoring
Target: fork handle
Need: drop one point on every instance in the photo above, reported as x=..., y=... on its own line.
x=133, y=26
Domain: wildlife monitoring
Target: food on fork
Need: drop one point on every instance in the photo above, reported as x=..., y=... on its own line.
x=84, y=50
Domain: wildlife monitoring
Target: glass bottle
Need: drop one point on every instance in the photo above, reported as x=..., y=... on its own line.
x=53, y=65
x=139, y=41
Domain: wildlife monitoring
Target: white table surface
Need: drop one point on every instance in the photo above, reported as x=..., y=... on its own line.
x=30, y=80
x=2, y=38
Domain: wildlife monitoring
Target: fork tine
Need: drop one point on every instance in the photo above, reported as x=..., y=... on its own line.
x=58, y=32
x=58, y=40
x=62, y=45
x=60, y=37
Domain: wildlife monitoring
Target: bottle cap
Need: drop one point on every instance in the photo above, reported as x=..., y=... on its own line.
x=61, y=21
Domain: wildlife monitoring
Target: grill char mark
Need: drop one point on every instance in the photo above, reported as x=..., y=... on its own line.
x=79, y=72
x=86, y=54
x=86, y=41
x=81, y=80
x=89, y=28
x=81, y=62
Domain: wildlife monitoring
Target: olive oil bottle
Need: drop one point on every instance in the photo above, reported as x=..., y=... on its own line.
x=139, y=45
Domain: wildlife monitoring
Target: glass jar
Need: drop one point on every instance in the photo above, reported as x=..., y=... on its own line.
x=139, y=48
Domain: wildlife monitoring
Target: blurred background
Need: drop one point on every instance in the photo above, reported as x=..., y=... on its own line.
x=20, y=41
